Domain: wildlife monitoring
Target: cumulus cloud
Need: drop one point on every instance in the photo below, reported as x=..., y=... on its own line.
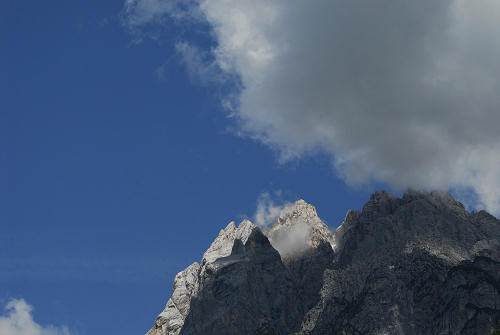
x=18, y=320
x=403, y=92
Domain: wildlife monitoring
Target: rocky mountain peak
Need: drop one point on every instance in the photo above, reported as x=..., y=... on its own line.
x=299, y=209
x=297, y=229
x=382, y=203
x=433, y=221
x=416, y=264
x=438, y=198
x=223, y=244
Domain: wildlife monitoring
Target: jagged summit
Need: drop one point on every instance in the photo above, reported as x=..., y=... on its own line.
x=298, y=228
x=415, y=264
x=385, y=202
x=299, y=208
x=223, y=244
x=434, y=221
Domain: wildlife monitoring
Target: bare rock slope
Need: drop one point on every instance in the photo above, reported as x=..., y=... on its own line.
x=419, y=264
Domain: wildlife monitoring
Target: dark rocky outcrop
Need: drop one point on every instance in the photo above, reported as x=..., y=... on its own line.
x=248, y=290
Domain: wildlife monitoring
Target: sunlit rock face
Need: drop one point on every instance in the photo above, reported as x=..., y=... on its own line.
x=306, y=245
x=297, y=229
x=171, y=319
x=419, y=264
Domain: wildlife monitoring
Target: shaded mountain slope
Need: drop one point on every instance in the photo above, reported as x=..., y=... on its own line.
x=419, y=264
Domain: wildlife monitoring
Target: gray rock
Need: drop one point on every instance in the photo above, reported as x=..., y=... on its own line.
x=171, y=319
x=419, y=264
x=297, y=229
x=246, y=292
x=306, y=245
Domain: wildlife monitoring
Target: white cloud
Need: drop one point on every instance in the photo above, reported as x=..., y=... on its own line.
x=289, y=241
x=292, y=241
x=403, y=92
x=18, y=320
x=142, y=17
x=268, y=211
x=198, y=64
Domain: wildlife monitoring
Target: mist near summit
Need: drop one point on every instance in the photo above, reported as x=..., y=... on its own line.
x=398, y=92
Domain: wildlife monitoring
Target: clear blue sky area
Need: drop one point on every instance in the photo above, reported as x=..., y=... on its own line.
x=112, y=179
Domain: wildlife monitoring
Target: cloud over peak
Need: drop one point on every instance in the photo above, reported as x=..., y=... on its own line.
x=403, y=92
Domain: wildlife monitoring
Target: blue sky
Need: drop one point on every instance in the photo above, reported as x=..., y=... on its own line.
x=114, y=178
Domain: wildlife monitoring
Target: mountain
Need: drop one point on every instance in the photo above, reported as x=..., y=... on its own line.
x=419, y=264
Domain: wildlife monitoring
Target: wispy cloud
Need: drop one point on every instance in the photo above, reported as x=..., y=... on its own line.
x=201, y=67
x=141, y=17
x=18, y=320
x=269, y=209
x=289, y=241
x=137, y=13
x=292, y=241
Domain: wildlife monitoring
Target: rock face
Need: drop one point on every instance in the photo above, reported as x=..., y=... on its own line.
x=419, y=264
x=306, y=246
x=171, y=320
x=240, y=287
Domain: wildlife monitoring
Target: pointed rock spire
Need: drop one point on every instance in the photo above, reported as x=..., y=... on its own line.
x=297, y=229
x=223, y=244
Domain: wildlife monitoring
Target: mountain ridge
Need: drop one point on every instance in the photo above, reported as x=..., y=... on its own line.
x=419, y=264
